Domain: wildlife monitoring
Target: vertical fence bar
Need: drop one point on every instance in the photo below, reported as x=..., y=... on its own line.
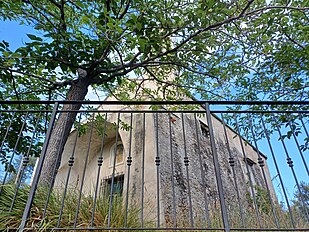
x=157, y=161
x=50, y=188
x=247, y=169
x=129, y=163
x=7, y=131
x=261, y=164
x=38, y=170
x=14, y=150
x=70, y=164
x=25, y=162
x=113, y=175
x=202, y=171
x=232, y=164
x=278, y=171
x=297, y=144
x=302, y=122
x=172, y=170
x=217, y=171
x=291, y=165
x=143, y=169
x=100, y=162
x=84, y=172
x=186, y=162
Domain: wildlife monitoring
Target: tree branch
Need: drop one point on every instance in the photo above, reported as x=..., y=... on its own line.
x=276, y=7
x=77, y=7
x=102, y=57
x=62, y=84
x=14, y=86
x=112, y=93
x=62, y=14
x=55, y=3
x=189, y=38
x=139, y=86
x=182, y=86
x=120, y=56
x=44, y=16
x=125, y=10
x=55, y=84
x=108, y=6
x=212, y=26
x=182, y=43
x=28, y=74
x=64, y=26
x=292, y=40
x=158, y=63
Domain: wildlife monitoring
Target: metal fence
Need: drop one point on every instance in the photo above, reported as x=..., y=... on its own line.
x=213, y=166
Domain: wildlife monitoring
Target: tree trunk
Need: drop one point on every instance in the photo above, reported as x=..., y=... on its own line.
x=61, y=132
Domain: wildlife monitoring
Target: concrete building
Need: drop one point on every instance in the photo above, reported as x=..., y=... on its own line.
x=164, y=163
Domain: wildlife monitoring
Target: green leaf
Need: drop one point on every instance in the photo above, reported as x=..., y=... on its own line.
x=270, y=21
x=33, y=37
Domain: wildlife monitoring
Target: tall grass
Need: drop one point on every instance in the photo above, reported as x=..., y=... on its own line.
x=11, y=220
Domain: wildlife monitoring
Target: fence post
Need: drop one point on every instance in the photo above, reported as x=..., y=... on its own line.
x=38, y=169
x=217, y=171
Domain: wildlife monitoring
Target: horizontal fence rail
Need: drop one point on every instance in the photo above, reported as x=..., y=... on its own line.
x=212, y=166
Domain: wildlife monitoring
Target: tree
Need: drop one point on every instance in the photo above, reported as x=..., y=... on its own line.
x=23, y=133
x=301, y=201
x=243, y=49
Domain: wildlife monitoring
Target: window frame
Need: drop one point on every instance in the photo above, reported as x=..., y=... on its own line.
x=112, y=154
x=107, y=181
x=204, y=130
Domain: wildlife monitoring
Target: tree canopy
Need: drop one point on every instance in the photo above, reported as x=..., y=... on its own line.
x=213, y=49
x=245, y=49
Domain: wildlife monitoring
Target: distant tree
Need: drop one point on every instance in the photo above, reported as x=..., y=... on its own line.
x=301, y=201
x=21, y=137
x=223, y=49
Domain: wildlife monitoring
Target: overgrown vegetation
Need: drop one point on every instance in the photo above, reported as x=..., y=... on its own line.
x=10, y=220
x=301, y=201
x=274, y=214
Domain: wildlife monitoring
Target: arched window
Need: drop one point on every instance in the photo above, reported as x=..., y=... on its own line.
x=116, y=152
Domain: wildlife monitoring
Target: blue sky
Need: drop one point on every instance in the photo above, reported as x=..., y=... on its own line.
x=285, y=170
x=14, y=33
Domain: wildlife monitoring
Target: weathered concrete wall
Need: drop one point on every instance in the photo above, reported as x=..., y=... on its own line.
x=194, y=186
x=184, y=192
x=84, y=172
